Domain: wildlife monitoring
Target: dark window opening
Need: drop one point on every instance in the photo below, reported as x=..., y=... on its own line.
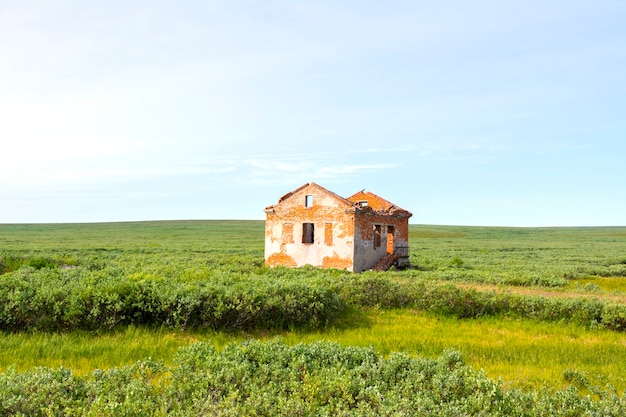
x=308, y=233
x=308, y=201
x=377, y=236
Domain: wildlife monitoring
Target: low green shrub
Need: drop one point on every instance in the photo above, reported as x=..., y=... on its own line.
x=70, y=299
x=273, y=379
x=449, y=300
x=374, y=290
x=614, y=317
x=13, y=263
x=62, y=299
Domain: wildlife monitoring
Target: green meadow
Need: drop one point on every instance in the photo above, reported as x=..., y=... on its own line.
x=534, y=308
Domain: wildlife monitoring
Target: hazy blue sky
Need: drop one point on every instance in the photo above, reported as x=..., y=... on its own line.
x=495, y=112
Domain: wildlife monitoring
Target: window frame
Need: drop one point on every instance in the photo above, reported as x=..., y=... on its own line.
x=308, y=233
x=378, y=236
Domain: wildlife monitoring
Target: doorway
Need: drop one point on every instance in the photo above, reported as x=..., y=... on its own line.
x=391, y=239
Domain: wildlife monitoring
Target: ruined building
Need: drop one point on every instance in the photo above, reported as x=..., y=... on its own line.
x=312, y=225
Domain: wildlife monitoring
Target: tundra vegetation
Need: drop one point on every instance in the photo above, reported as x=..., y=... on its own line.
x=182, y=318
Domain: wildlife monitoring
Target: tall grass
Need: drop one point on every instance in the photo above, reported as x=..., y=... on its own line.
x=523, y=353
x=83, y=352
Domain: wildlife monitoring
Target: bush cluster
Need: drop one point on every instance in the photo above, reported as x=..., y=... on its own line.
x=374, y=290
x=69, y=299
x=272, y=379
x=61, y=299
x=12, y=263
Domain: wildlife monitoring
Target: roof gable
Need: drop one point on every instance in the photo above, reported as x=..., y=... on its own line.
x=312, y=188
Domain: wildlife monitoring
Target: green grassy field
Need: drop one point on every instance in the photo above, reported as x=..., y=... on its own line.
x=554, y=262
x=523, y=353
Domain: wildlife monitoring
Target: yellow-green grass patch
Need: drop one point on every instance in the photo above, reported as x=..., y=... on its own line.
x=523, y=353
x=610, y=284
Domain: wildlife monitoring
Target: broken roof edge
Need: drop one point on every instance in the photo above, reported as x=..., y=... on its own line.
x=392, y=211
x=386, y=206
x=290, y=193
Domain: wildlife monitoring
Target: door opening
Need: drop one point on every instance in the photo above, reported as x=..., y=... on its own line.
x=391, y=239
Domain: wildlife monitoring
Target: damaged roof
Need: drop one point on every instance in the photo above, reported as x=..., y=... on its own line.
x=372, y=201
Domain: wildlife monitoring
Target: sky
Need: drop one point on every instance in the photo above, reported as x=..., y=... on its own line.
x=485, y=113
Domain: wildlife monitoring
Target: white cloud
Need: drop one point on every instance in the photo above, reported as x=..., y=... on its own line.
x=340, y=170
x=292, y=171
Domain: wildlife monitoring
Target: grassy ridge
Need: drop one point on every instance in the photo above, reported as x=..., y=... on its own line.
x=208, y=236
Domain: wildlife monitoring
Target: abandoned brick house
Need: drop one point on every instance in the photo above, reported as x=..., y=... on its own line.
x=312, y=225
